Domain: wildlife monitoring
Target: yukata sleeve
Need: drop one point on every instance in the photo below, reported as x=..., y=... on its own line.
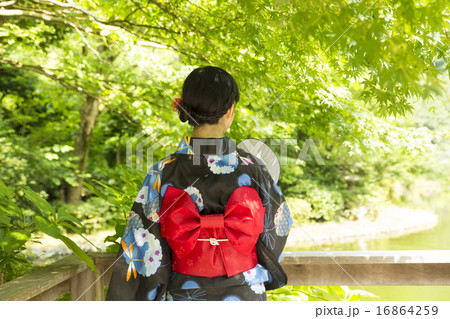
x=142, y=267
x=277, y=224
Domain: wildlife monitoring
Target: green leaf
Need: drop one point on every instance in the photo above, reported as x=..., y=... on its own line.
x=14, y=240
x=9, y=208
x=4, y=219
x=114, y=248
x=41, y=204
x=78, y=252
x=120, y=227
x=364, y=293
x=111, y=238
x=47, y=227
x=95, y=191
x=64, y=224
x=354, y=297
x=5, y=191
x=63, y=215
x=110, y=189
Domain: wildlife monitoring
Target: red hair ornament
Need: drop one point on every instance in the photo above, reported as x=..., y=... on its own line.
x=175, y=103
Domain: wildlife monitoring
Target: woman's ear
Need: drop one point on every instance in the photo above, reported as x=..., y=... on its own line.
x=230, y=112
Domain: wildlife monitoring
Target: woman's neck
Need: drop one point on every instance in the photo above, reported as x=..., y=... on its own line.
x=207, y=131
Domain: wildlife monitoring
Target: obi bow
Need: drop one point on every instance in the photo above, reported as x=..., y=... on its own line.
x=231, y=234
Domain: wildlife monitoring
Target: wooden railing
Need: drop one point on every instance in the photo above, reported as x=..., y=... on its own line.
x=410, y=267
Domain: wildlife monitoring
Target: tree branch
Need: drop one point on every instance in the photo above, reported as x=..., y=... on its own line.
x=34, y=15
x=48, y=73
x=173, y=15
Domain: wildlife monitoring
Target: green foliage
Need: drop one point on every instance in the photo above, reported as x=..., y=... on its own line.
x=319, y=293
x=18, y=225
x=300, y=210
x=95, y=213
x=338, y=73
x=372, y=173
x=322, y=202
x=120, y=193
x=65, y=297
x=37, y=127
x=296, y=62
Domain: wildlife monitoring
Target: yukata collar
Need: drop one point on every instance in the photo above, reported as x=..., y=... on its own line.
x=206, y=146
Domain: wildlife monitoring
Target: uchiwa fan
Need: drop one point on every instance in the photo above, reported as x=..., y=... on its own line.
x=264, y=154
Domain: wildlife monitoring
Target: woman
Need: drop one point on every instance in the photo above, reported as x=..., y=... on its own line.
x=209, y=223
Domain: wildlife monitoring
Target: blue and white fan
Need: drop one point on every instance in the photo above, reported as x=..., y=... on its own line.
x=264, y=154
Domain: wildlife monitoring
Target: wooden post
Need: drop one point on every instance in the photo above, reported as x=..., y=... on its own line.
x=85, y=286
x=88, y=285
x=98, y=284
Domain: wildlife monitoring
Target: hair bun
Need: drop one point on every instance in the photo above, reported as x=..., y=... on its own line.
x=184, y=111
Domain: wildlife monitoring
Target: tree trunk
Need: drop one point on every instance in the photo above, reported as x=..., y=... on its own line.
x=89, y=113
x=1, y=278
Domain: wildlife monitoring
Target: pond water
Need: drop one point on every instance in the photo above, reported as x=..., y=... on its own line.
x=436, y=238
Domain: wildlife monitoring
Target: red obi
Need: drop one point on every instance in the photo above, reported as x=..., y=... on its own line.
x=216, y=244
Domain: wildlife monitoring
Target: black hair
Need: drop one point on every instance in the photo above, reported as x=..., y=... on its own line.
x=208, y=93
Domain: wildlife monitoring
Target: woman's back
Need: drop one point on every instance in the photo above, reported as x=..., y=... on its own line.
x=209, y=223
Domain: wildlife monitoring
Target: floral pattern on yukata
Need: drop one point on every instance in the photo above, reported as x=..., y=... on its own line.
x=283, y=220
x=151, y=210
x=255, y=278
x=134, y=222
x=222, y=164
x=256, y=275
x=142, y=196
x=258, y=288
x=143, y=252
x=196, y=196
